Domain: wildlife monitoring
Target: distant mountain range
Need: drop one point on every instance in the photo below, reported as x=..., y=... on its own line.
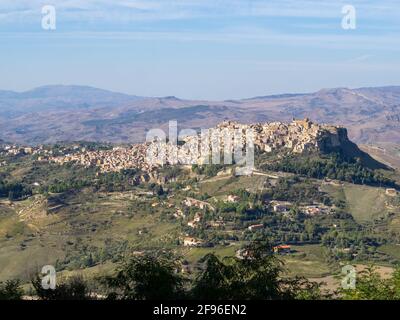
x=59, y=98
x=71, y=113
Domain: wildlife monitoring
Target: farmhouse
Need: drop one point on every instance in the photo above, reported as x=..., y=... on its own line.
x=232, y=199
x=391, y=192
x=255, y=227
x=282, y=249
x=190, y=202
x=281, y=206
x=312, y=210
x=192, y=242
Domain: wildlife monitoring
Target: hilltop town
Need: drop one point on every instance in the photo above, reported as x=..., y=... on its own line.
x=104, y=199
x=298, y=136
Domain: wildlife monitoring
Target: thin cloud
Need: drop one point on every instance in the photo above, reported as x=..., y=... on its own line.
x=360, y=58
x=129, y=10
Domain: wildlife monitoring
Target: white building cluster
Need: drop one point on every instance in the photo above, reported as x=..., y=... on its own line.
x=226, y=140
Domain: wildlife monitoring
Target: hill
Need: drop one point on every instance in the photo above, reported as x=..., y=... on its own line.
x=71, y=113
x=59, y=98
x=94, y=208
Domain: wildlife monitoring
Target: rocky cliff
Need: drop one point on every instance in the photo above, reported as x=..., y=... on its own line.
x=296, y=137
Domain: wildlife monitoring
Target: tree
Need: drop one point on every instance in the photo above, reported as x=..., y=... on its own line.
x=213, y=282
x=148, y=277
x=11, y=290
x=256, y=276
x=371, y=286
x=75, y=288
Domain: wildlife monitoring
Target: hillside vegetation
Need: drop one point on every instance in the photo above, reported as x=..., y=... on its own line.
x=83, y=221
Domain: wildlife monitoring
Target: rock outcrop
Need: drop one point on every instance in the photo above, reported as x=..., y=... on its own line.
x=296, y=137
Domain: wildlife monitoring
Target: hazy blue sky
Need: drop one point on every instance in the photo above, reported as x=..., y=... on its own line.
x=211, y=49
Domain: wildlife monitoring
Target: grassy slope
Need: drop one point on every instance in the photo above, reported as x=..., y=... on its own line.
x=218, y=186
x=308, y=261
x=365, y=203
x=193, y=255
x=86, y=220
x=91, y=219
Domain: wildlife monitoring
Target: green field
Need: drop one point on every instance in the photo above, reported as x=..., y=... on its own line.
x=84, y=224
x=193, y=255
x=307, y=261
x=222, y=185
x=90, y=229
x=365, y=203
x=391, y=250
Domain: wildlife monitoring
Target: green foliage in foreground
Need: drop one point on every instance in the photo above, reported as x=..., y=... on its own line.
x=371, y=286
x=255, y=277
x=74, y=289
x=146, y=278
x=259, y=275
x=11, y=290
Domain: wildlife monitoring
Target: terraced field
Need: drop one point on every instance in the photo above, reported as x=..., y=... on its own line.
x=84, y=223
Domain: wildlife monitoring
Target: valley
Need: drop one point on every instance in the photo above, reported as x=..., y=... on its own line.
x=325, y=207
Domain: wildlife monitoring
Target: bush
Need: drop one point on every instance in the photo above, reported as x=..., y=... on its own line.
x=11, y=290
x=75, y=288
x=256, y=276
x=148, y=277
